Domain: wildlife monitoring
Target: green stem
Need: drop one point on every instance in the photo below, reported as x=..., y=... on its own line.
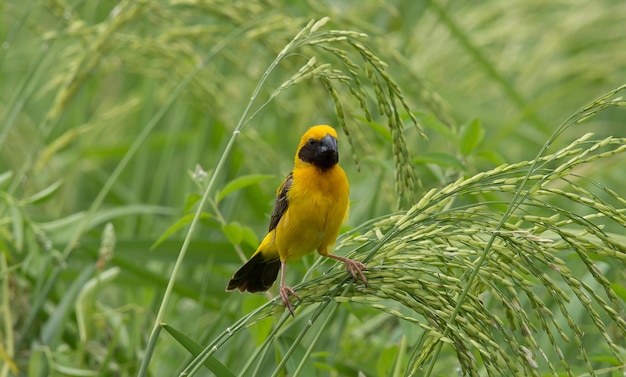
x=517, y=200
x=181, y=256
x=8, y=319
x=316, y=338
x=243, y=120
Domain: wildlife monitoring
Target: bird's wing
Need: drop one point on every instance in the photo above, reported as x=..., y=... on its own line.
x=281, y=204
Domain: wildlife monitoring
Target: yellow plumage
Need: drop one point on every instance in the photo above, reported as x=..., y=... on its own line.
x=310, y=207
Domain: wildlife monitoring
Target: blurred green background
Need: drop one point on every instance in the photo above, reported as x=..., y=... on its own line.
x=88, y=87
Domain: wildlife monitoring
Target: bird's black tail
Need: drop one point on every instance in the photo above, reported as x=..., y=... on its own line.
x=257, y=275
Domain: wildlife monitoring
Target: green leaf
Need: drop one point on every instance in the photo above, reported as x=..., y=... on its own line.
x=38, y=364
x=18, y=226
x=192, y=199
x=61, y=230
x=53, y=328
x=5, y=176
x=619, y=290
x=249, y=237
x=177, y=225
x=44, y=194
x=71, y=371
x=441, y=159
x=8, y=360
x=261, y=329
x=297, y=356
x=606, y=358
x=386, y=360
x=241, y=182
x=212, y=363
x=470, y=136
x=432, y=122
x=234, y=232
x=379, y=129
x=492, y=156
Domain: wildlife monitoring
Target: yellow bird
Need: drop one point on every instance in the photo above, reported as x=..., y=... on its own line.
x=310, y=206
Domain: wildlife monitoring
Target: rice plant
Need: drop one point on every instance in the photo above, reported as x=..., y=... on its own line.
x=493, y=280
x=141, y=143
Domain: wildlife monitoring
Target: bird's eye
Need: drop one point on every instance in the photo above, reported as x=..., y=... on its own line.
x=311, y=141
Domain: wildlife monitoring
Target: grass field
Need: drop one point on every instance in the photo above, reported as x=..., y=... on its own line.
x=141, y=144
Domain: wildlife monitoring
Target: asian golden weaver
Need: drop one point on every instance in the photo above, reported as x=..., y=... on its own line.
x=310, y=206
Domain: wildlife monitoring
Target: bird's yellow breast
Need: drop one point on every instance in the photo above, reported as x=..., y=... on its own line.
x=318, y=201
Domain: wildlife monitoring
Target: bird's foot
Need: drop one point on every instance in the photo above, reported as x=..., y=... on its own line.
x=285, y=291
x=356, y=270
x=355, y=267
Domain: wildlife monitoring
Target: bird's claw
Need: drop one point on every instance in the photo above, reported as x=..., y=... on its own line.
x=285, y=291
x=356, y=270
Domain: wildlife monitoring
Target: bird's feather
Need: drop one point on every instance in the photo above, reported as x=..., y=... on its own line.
x=282, y=202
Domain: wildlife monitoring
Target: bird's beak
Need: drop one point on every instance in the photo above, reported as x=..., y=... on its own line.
x=328, y=143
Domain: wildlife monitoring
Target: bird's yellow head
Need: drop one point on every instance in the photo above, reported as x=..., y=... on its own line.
x=318, y=147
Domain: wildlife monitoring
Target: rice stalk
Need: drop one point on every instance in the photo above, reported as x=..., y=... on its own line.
x=516, y=318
